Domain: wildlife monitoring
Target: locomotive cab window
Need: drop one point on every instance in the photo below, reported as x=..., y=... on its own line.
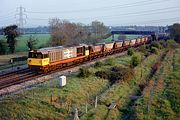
x=35, y=55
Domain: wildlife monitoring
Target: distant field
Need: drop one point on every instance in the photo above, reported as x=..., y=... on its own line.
x=21, y=40
x=44, y=38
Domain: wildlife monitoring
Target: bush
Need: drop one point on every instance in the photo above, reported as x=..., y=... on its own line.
x=130, y=51
x=156, y=44
x=144, y=49
x=171, y=44
x=163, y=43
x=98, y=64
x=110, y=61
x=84, y=72
x=154, y=50
x=103, y=74
x=122, y=73
x=135, y=60
x=3, y=47
x=116, y=74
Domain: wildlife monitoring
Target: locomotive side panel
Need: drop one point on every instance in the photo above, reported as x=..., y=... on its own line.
x=55, y=55
x=69, y=52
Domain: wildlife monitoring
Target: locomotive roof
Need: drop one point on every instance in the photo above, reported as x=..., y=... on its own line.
x=46, y=50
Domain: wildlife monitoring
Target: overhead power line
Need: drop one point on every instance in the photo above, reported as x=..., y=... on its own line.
x=152, y=21
x=140, y=13
x=140, y=3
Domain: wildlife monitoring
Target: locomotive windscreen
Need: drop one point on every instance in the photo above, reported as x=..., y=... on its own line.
x=35, y=55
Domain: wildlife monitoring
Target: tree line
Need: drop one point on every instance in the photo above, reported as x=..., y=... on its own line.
x=64, y=32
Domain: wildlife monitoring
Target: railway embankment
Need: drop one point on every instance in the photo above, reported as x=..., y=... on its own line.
x=50, y=101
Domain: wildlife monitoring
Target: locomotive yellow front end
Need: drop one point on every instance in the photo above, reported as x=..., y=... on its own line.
x=37, y=60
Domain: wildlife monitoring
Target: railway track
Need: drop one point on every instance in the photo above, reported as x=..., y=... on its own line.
x=14, y=78
x=24, y=75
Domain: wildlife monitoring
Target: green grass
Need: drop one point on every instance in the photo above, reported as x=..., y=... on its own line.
x=162, y=94
x=42, y=40
x=37, y=103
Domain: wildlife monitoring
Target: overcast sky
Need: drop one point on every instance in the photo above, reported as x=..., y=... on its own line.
x=111, y=12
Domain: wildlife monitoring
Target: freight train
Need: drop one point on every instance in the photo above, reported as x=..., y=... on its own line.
x=52, y=58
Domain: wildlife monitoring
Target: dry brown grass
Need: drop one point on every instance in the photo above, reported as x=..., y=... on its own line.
x=4, y=59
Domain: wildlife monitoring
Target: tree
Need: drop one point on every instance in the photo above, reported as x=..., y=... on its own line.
x=31, y=42
x=58, y=37
x=3, y=47
x=175, y=32
x=11, y=33
x=99, y=29
x=64, y=32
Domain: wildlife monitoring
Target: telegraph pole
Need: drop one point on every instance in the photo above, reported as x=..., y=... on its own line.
x=21, y=18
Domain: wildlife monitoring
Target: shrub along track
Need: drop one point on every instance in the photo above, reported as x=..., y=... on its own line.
x=119, y=93
x=129, y=113
x=156, y=84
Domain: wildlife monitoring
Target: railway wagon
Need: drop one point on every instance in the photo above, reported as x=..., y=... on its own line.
x=138, y=40
x=108, y=46
x=132, y=42
x=126, y=43
x=118, y=44
x=147, y=39
x=142, y=40
x=96, y=49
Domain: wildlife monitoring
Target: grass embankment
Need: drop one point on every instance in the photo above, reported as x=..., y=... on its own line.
x=49, y=101
x=119, y=93
x=161, y=97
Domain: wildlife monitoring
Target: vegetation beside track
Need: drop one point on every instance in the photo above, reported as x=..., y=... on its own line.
x=161, y=97
x=49, y=101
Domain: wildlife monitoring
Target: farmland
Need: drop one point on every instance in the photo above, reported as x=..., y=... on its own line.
x=42, y=40
x=49, y=101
